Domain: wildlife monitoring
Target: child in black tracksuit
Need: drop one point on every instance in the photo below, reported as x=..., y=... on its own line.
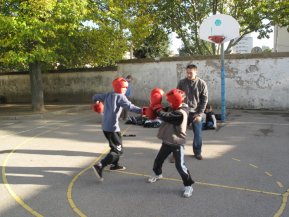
x=172, y=132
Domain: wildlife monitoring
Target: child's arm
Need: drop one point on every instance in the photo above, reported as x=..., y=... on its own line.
x=173, y=117
x=125, y=103
x=98, y=97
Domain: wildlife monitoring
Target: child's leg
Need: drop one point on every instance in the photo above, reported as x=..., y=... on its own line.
x=164, y=152
x=115, y=144
x=178, y=153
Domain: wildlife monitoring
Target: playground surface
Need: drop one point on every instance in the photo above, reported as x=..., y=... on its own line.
x=46, y=170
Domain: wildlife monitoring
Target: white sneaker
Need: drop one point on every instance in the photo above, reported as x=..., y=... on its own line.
x=188, y=191
x=154, y=178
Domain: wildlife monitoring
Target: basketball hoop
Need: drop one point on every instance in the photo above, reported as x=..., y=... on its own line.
x=217, y=38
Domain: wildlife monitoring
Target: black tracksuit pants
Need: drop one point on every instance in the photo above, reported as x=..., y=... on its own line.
x=115, y=144
x=178, y=153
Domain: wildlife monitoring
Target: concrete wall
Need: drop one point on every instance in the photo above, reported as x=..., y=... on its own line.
x=75, y=86
x=252, y=81
x=259, y=81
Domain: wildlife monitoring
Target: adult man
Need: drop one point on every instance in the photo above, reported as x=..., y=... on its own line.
x=197, y=98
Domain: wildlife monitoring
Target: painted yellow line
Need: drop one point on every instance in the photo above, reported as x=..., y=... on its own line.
x=236, y=159
x=207, y=184
x=268, y=174
x=283, y=205
x=280, y=184
x=80, y=213
x=252, y=165
x=4, y=176
x=71, y=184
x=5, y=181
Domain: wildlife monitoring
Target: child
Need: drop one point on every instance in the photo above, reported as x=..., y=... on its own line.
x=172, y=132
x=113, y=104
x=211, y=122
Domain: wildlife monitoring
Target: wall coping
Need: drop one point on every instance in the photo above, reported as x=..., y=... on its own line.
x=96, y=69
x=164, y=59
x=209, y=57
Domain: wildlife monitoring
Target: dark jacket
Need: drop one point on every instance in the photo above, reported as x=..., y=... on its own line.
x=196, y=94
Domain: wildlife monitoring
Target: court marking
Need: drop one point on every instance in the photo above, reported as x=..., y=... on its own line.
x=72, y=182
x=13, y=194
x=277, y=214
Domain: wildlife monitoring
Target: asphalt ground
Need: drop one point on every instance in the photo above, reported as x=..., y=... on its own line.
x=46, y=170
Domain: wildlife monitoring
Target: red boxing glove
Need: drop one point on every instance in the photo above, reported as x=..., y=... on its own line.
x=156, y=96
x=98, y=107
x=157, y=90
x=157, y=108
x=148, y=112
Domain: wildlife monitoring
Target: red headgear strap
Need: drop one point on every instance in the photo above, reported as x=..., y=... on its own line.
x=118, y=84
x=175, y=97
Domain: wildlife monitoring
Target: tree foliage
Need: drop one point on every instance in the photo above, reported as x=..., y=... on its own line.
x=155, y=45
x=185, y=17
x=35, y=33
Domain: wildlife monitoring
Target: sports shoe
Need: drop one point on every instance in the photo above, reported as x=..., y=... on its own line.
x=98, y=171
x=188, y=191
x=199, y=157
x=154, y=178
x=116, y=167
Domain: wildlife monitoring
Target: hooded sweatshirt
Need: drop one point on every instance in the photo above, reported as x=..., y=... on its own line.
x=173, y=128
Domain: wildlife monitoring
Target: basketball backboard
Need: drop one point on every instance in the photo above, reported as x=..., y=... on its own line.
x=219, y=28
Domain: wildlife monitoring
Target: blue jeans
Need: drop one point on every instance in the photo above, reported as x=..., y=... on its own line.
x=197, y=129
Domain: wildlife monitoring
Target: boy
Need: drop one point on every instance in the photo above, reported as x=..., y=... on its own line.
x=210, y=121
x=172, y=132
x=113, y=104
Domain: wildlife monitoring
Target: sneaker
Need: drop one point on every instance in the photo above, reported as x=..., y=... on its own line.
x=116, y=167
x=188, y=191
x=199, y=157
x=154, y=178
x=98, y=171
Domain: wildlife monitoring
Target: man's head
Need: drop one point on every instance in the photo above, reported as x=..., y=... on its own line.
x=120, y=85
x=175, y=98
x=191, y=71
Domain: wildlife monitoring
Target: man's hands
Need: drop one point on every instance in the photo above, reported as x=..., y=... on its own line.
x=197, y=118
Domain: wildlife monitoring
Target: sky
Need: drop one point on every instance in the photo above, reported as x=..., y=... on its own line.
x=177, y=43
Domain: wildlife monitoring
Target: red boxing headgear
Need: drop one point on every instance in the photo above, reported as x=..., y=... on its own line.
x=175, y=97
x=118, y=84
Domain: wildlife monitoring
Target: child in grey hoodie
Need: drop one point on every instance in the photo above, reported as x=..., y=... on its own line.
x=172, y=132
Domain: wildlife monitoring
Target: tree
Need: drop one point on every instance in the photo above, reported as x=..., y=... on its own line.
x=185, y=17
x=30, y=32
x=155, y=45
x=53, y=32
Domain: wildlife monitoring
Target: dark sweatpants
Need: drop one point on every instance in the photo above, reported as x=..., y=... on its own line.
x=115, y=144
x=178, y=153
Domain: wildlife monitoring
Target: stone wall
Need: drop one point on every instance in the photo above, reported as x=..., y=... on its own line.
x=252, y=81
x=258, y=81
